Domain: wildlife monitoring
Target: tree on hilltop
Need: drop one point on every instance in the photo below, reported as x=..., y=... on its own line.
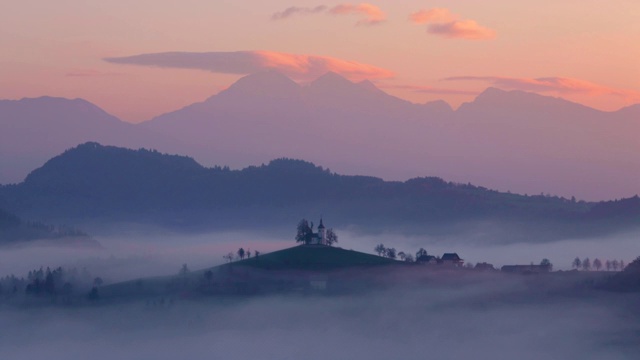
x=380, y=249
x=304, y=232
x=331, y=237
x=391, y=253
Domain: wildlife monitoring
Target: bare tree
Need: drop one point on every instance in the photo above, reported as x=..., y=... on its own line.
x=241, y=253
x=597, y=264
x=380, y=249
x=331, y=237
x=248, y=253
x=228, y=257
x=586, y=264
x=184, y=270
x=615, y=265
x=607, y=265
x=402, y=255
x=577, y=263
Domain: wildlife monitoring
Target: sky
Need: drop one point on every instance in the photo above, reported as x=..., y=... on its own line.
x=582, y=50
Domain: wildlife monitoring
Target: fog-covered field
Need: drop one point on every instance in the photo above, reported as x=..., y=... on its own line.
x=134, y=255
x=501, y=317
x=487, y=319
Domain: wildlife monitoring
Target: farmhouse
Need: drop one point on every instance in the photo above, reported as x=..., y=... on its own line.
x=427, y=259
x=451, y=259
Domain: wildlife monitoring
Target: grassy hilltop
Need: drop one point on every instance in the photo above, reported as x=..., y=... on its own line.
x=314, y=258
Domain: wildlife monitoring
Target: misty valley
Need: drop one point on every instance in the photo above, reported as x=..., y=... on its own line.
x=304, y=211
x=152, y=255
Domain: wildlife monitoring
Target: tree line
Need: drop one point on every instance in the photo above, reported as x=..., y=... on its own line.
x=587, y=265
x=241, y=254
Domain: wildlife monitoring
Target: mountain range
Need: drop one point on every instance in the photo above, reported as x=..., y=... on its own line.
x=508, y=140
x=106, y=185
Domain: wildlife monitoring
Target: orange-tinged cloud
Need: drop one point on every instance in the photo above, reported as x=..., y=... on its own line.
x=297, y=67
x=373, y=14
x=558, y=85
x=462, y=29
x=432, y=15
x=444, y=23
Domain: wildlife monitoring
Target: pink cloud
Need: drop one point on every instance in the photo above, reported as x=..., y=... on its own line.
x=444, y=23
x=557, y=85
x=295, y=10
x=432, y=15
x=297, y=67
x=372, y=14
x=462, y=29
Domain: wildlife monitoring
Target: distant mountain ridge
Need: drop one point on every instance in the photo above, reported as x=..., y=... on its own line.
x=510, y=140
x=32, y=130
x=98, y=183
x=539, y=142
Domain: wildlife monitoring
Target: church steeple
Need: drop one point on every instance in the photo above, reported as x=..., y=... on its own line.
x=322, y=233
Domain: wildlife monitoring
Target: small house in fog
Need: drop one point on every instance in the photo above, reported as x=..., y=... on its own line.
x=427, y=259
x=451, y=259
x=484, y=267
x=526, y=269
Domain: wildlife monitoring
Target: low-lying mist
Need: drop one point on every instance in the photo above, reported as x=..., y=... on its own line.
x=488, y=317
x=498, y=318
x=135, y=255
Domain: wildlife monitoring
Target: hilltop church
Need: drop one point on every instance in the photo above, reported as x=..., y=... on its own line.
x=319, y=238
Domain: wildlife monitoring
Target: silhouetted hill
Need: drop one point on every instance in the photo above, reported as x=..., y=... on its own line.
x=314, y=257
x=285, y=270
x=34, y=130
x=95, y=182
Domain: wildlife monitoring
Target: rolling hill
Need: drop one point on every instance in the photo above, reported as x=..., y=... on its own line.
x=104, y=184
x=287, y=270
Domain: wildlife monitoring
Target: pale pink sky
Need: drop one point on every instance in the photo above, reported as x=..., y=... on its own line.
x=583, y=50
